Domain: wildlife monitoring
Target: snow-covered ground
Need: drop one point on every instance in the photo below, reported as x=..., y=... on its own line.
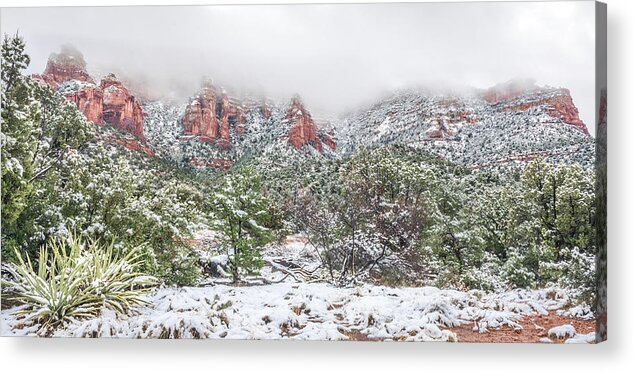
x=298, y=307
x=313, y=311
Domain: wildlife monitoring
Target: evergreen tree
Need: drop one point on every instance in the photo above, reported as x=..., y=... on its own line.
x=239, y=214
x=20, y=114
x=40, y=128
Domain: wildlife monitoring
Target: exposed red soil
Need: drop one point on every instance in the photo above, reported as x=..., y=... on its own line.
x=356, y=335
x=529, y=333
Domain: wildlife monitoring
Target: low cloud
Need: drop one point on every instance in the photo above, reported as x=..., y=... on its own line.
x=337, y=57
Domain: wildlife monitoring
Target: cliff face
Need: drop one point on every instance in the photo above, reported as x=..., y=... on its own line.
x=303, y=130
x=89, y=100
x=330, y=140
x=66, y=72
x=236, y=126
x=120, y=108
x=200, y=115
x=212, y=114
x=109, y=102
x=225, y=111
x=516, y=96
x=69, y=64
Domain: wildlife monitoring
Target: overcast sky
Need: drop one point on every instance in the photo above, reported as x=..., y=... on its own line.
x=337, y=57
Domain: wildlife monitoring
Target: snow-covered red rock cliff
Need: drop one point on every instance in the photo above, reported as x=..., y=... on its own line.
x=108, y=102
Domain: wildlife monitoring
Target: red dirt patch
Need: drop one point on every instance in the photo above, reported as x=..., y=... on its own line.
x=529, y=333
x=355, y=335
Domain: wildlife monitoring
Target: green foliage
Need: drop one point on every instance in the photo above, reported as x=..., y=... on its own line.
x=386, y=196
x=20, y=115
x=533, y=226
x=563, y=203
x=40, y=129
x=397, y=212
x=77, y=279
x=361, y=211
x=14, y=60
x=239, y=214
x=103, y=194
x=54, y=178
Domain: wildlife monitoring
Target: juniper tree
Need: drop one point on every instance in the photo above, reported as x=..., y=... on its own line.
x=20, y=113
x=39, y=130
x=239, y=214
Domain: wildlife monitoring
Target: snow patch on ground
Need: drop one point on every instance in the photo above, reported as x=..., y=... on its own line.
x=287, y=300
x=563, y=331
x=589, y=338
x=311, y=311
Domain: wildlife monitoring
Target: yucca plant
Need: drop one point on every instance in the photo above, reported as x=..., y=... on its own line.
x=76, y=279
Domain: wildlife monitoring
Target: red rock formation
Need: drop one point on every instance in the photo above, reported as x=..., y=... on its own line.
x=240, y=120
x=211, y=114
x=131, y=144
x=520, y=96
x=303, y=130
x=558, y=104
x=457, y=112
x=225, y=134
x=329, y=140
x=435, y=133
x=109, y=102
x=135, y=145
x=238, y=116
x=265, y=110
x=69, y=64
x=200, y=115
x=564, y=109
x=509, y=90
x=439, y=130
x=89, y=101
x=120, y=108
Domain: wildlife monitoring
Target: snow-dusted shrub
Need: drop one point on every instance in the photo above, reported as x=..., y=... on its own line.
x=76, y=279
x=108, y=193
x=486, y=276
x=575, y=272
x=516, y=272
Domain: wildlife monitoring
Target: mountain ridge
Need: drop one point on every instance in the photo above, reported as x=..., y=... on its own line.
x=215, y=130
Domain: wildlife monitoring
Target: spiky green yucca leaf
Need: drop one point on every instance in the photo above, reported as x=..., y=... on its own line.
x=77, y=280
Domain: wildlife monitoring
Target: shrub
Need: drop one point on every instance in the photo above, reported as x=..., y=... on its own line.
x=74, y=279
x=108, y=194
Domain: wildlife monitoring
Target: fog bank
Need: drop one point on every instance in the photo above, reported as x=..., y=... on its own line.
x=337, y=57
